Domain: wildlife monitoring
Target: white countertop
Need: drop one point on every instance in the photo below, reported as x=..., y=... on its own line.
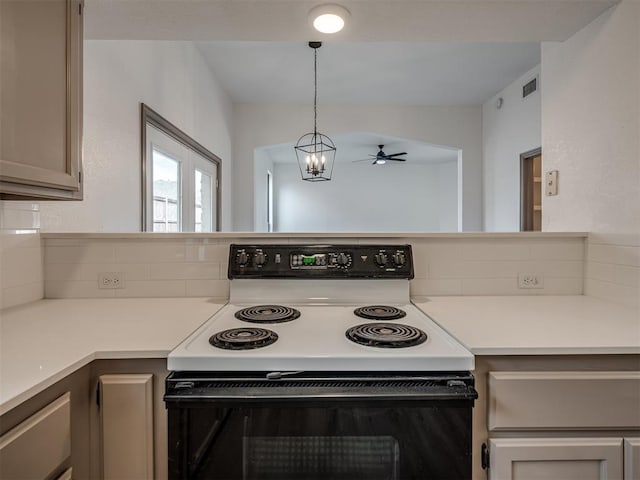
x=537, y=325
x=44, y=341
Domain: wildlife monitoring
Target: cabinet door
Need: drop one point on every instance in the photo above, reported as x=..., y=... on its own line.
x=38, y=446
x=126, y=424
x=555, y=458
x=632, y=459
x=41, y=99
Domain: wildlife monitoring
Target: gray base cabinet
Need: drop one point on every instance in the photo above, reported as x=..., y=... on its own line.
x=565, y=425
x=41, y=99
x=556, y=458
x=39, y=446
x=632, y=458
x=126, y=426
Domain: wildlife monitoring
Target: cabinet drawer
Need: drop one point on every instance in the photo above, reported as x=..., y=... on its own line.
x=35, y=448
x=563, y=400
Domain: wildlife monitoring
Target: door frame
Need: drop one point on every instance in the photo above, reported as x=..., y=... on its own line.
x=523, y=184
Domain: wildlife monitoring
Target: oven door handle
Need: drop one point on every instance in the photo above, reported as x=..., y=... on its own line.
x=279, y=375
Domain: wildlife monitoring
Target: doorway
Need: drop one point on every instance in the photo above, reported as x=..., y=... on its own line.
x=531, y=191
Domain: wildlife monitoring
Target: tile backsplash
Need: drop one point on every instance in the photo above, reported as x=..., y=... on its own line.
x=612, y=270
x=21, y=267
x=197, y=266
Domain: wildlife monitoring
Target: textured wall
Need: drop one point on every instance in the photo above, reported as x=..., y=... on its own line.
x=507, y=132
x=591, y=125
x=170, y=77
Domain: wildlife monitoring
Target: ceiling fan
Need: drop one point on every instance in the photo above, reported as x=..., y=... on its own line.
x=381, y=158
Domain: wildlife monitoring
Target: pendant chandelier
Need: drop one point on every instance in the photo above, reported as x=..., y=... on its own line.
x=315, y=152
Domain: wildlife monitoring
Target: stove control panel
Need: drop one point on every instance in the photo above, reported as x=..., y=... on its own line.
x=320, y=261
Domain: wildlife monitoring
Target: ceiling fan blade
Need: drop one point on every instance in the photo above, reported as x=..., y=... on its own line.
x=396, y=154
x=361, y=160
x=397, y=159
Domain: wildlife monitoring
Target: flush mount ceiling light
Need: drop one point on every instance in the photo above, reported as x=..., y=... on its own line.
x=328, y=18
x=315, y=152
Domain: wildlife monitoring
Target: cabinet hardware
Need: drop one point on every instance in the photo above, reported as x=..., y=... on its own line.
x=484, y=456
x=98, y=395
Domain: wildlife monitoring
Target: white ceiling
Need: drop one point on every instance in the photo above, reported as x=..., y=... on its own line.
x=371, y=20
x=407, y=52
x=403, y=52
x=368, y=73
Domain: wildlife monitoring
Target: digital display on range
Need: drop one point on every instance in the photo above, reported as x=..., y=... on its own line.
x=299, y=260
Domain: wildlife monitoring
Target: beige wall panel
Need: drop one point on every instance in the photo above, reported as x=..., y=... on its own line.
x=563, y=400
x=35, y=448
x=126, y=421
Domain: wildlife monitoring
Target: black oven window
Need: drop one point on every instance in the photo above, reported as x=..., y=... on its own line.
x=320, y=457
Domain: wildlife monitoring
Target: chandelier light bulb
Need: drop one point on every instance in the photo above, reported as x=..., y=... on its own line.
x=329, y=18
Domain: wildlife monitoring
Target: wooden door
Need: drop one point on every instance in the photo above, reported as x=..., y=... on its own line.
x=531, y=191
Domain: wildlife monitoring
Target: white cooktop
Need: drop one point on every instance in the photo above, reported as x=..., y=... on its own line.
x=316, y=341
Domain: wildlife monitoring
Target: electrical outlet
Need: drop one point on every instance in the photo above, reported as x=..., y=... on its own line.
x=110, y=280
x=530, y=280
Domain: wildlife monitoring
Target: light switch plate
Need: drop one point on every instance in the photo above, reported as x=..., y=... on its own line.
x=551, y=183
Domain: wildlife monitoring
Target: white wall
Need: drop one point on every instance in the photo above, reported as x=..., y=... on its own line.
x=263, y=164
x=507, y=132
x=173, y=79
x=591, y=125
x=260, y=125
x=366, y=198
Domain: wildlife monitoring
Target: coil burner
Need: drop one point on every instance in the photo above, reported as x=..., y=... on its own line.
x=379, y=312
x=246, y=338
x=267, y=314
x=386, y=335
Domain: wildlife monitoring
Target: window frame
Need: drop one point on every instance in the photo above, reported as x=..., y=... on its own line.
x=150, y=117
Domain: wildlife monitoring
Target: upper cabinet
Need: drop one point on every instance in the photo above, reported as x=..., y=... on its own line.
x=41, y=99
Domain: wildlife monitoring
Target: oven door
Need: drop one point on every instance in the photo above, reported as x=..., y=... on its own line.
x=320, y=435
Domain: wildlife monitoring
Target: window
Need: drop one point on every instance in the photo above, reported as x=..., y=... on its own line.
x=180, y=179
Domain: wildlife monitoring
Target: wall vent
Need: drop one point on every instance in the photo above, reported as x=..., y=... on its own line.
x=530, y=87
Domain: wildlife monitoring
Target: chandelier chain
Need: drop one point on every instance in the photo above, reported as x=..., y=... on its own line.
x=315, y=91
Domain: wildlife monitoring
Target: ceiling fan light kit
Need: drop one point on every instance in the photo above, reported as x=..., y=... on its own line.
x=381, y=158
x=328, y=18
x=315, y=151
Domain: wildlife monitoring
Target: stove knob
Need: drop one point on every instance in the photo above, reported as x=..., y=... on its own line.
x=242, y=259
x=260, y=258
x=381, y=259
x=399, y=259
x=342, y=259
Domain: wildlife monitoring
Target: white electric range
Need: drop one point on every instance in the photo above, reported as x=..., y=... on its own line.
x=325, y=288
x=320, y=367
